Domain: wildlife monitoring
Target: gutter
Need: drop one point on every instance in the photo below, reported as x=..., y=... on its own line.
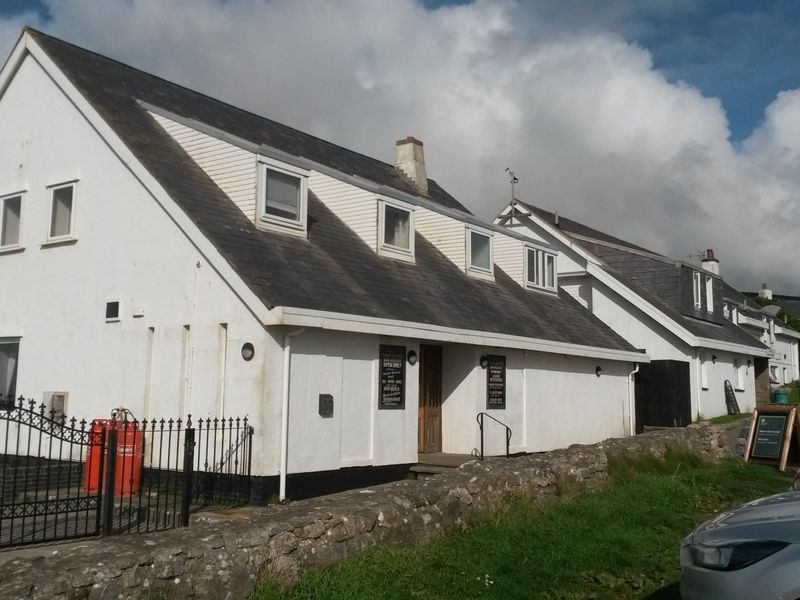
x=287, y=358
x=303, y=317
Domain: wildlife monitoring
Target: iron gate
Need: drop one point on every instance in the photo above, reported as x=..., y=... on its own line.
x=63, y=478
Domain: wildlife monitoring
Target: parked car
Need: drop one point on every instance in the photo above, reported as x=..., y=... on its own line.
x=751, y=552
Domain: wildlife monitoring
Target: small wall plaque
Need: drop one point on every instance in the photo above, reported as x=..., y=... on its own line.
x=326, y=406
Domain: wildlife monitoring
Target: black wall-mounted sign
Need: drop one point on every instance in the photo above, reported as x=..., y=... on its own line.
x=392, y=392
x=496, y=382
x=768, y=441
x=326, y=406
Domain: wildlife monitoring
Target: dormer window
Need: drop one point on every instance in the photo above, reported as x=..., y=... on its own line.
x=709, y=294
x=540, y=269
x=396, y=230
x=479, y=254
x=283, y=196
x=696, y=292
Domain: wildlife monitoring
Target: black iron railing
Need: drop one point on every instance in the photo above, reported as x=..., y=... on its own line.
x=480, y=418
x=62, y=478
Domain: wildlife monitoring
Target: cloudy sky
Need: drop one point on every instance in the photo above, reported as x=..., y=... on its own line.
x=674, y=124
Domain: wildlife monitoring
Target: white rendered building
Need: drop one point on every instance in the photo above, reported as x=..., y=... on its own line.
x=176, y=255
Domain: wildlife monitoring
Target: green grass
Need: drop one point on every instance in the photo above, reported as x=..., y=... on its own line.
x=730, y=418
x=618, y=542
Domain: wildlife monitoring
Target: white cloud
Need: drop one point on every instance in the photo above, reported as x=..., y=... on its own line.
x=578, y=112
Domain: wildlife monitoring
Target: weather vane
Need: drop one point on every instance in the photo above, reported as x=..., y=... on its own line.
x=513, y=179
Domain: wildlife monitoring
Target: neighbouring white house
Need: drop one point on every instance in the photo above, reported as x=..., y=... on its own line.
x=670, y=309
x=763, y=323
x=176, y=255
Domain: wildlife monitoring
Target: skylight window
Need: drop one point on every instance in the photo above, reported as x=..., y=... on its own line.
x=396, y=230
x=540, y=269
x=283, y=196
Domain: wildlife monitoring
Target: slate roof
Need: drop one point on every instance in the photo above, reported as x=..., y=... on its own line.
x=654, y=277
x=333, y=269
x=111, y=78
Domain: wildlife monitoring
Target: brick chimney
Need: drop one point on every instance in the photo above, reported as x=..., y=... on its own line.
x=709, y=262
x=410, y=159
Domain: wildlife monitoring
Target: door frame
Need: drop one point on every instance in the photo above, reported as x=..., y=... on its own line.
x=426, y=411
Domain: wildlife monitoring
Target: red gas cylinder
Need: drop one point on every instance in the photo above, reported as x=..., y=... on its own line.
x=127, y=458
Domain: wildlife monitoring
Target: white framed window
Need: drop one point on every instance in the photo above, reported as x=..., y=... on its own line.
x=709, y=294
x=9, y=359
x=480, y=253
x=62, y=212
x=396, y=230
x=10, y=221
x=283, y=196
x=540, y=269
x=703, y=372
x=698, y=299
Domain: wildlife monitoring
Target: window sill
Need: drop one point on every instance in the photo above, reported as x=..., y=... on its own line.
x=397, y=253
x=480, y=273
x=62, y=241
x=11, y=249
x=288, y=227
x=539, y=288
x=738, y=389
x=704, y=388
x=116, y=320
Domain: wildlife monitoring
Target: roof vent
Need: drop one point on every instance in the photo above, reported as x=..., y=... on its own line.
x=410, y=159
x=709, y=262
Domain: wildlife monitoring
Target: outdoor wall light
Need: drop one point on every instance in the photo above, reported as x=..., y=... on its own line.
x=598, y=371
x=248, y=351
x=411, y=357
x=484, y=361
x=713, y=359
x=749, y=363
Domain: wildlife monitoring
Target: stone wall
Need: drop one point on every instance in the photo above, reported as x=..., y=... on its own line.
x=222, y=555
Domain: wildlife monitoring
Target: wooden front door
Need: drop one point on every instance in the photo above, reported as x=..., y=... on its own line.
x=430, y=399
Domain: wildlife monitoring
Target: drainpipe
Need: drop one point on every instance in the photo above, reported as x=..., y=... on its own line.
x=630, y=398
x=287, y=357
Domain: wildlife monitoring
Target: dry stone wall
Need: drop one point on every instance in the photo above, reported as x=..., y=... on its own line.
x=223, y=554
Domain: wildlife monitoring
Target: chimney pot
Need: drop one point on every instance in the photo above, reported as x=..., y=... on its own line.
x=410, y=159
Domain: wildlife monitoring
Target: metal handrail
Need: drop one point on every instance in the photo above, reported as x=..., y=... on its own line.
x=479, y=418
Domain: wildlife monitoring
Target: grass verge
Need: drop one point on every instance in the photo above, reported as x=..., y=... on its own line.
x=730, y=418
x=618, y=542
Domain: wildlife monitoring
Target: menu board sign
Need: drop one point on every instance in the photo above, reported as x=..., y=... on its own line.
x=496, y=382
x=392, y=377
x=768, y=441
x=774, y=433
